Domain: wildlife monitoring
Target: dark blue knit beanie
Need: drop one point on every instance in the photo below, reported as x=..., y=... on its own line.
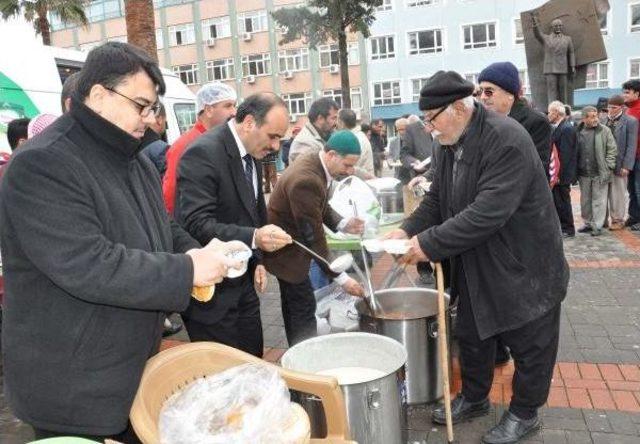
x=503, y=74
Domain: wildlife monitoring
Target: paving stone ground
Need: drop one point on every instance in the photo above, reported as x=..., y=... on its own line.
x=595, y=395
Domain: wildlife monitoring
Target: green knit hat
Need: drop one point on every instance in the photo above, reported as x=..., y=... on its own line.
x=344, y=142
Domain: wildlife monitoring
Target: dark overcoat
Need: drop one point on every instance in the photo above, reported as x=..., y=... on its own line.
x=496, y=214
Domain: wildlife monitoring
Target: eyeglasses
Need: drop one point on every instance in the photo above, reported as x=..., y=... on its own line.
x=429, y=120
x=488, y=92
x=143, y=110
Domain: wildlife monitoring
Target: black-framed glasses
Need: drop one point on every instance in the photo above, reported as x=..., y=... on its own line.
x=143, y=110
x=429, y=120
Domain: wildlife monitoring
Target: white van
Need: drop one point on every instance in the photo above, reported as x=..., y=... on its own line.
x=31, y=76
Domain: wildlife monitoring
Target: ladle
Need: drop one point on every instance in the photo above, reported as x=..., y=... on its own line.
x=338, y=265
x=371, y=300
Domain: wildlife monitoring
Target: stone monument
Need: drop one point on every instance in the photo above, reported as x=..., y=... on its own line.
x=579, y=23
x=559, y=59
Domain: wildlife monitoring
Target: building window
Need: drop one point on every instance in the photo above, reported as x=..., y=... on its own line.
x=416, y=3
x=297, y=103
x=182, y=34
x=216, y=28
x=518, y=35
x=386, y=93
x=634, y=68
x=100, y=10
x=185, y=115
x=634, y=17
x=597, y=75
x=89, y=46
x=256, y=65
x=221, y=69
x=254, y=21
x=294, y=59
x=187, y=73
x=416, y=86
x=336, y=94
x=472, y=77
x=329, y=55
x=159, y=39
x=481, y=35
x=425, y=42
x=524, y=81
x=382, y=48
x=387, y=5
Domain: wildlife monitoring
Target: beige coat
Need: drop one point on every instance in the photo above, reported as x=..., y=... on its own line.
x=308, y=140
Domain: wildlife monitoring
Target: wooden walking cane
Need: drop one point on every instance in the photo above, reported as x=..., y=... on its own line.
x=444, y=350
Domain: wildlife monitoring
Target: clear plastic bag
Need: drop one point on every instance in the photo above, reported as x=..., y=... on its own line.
x=245, y=404
x=354, y=191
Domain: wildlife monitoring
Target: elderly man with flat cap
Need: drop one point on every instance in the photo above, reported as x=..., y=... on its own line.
x=490, y=213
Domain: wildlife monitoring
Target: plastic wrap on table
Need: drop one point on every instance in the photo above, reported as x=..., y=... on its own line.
x=247, y=403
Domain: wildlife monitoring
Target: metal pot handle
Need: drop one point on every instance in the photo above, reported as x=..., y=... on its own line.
x=373, y=399
x=432, y=329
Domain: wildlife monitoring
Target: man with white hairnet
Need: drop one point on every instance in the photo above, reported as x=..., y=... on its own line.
x=215, y=104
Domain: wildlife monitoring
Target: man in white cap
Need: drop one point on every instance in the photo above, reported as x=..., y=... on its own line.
x=215, y=105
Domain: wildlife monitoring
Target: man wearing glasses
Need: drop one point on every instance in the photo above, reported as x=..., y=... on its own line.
x=91, y=260
x=489, y=211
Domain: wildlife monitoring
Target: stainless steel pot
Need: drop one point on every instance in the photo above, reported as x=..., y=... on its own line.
x=391, y=200
x=411, y=318
x=374, y=406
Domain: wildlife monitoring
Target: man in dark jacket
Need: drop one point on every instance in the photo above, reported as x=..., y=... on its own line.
x=490, y=212
x=219, y=196
x=625, y=130
x=564, y=139
x=501, y=92
x=86, y=244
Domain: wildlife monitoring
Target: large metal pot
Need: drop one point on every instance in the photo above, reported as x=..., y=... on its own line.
x=391, y=200
x=374, y=403
x=411, y=318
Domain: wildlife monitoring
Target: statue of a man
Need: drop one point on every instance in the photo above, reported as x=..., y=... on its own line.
x=559, y=59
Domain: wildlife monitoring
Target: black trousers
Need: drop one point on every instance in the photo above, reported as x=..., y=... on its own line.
x=298, y=311
x=562, y=200
x=240, y=327
x=533, y=346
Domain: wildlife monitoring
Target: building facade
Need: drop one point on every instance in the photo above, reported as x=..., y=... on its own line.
x=412, y=39
x=232, y=41
x=236, y=41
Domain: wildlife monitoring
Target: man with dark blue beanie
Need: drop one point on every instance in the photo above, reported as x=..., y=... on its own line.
x=501, y=91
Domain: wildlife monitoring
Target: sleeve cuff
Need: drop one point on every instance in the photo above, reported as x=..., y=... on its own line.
x=342, y=278
x=343, y=223
x=253, y=240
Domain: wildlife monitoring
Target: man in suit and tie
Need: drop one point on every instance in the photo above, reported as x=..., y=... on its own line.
x=219, y=196
x=299, y=204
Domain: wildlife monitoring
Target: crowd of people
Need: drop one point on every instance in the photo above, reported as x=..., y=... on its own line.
x=106, y=228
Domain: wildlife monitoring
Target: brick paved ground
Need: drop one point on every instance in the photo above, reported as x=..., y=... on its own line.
x=595, y=395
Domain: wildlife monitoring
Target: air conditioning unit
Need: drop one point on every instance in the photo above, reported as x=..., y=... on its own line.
x=334, y=69
x=288, y=74
x=211, y=42
x=251, y=79
x=246, y=36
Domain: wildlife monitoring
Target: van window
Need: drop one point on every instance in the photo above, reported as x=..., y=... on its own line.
x=185, y=115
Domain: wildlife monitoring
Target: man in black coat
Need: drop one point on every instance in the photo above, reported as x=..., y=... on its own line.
x=500, y=91
x=490, y=212
x=91, y=260
x=220, y=196
x=564, y=139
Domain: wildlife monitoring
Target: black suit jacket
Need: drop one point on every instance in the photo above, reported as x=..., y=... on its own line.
x=564, y=137
x=416, y=145
x=214, y=200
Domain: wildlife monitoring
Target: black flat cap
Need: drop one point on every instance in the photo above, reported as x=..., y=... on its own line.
x=444, y=88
